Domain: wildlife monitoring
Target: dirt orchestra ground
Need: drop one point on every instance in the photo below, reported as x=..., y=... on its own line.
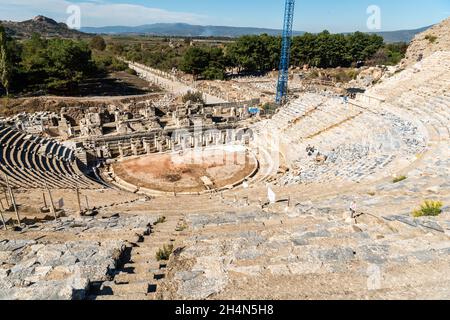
x=182, y=172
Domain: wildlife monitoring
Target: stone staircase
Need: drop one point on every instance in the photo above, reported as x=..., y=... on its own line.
x=138, y=276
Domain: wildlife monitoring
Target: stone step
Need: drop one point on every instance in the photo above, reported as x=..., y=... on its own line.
x=152, y=261
x=152, y=248
x=131, y=288
x=145, y=258
x=126, y=278
x=153, y=242
x=167, y=231
x=140, y=267
x=163, y=235
x=170, y=222
x=145, y=250
x=132, y=297
x=159, y=275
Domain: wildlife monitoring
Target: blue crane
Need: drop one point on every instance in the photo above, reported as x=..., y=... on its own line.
x=283, y=75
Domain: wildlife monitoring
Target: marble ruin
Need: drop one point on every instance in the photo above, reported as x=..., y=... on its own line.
x=312, y=201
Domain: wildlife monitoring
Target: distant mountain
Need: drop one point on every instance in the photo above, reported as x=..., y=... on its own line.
x=50, y=28
x=401, y=35
x=188, y=30
x=47, y=27
x=184, y=30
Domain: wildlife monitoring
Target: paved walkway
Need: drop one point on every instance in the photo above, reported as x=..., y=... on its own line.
x=169, y=82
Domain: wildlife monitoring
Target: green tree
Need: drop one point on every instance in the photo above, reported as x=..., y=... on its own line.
x=259, y=53
x=116, y=48
x=389, y=54
x=210, y=63
x=98, y=43
x=240, y=54
x=195, y=61
x=213, y=73
x=68, y=63
x=5, y=62
x=55, y=64
x=34, y=60
x=362, y=46
x=302, y=49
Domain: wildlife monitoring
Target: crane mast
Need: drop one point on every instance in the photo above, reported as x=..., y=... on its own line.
x=283, y=75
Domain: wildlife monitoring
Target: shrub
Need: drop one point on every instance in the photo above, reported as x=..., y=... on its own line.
x=270, y=107
x=399, y=179
x=431, y=38
x=345, y=75
x=429, y=208
x=108, y=63
x=181, y=227
x=195, y=97
x=213, y=73
x=118, y=65
x=314, y=74
x=131, y=71
x=164, y=253
x=103, y=62
x=98, y=43
x=160, y=220
x=352, y=74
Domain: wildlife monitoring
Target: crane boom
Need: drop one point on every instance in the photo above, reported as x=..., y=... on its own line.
x=283, y=76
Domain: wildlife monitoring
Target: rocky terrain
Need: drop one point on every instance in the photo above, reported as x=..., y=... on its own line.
x=67, y=258
x=298, y=254
x=46, y=27
x=437, y=38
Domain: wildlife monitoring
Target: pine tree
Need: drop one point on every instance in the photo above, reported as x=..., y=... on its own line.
x=5, y=66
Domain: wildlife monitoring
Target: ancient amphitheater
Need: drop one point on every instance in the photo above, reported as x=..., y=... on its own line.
x=120, y=183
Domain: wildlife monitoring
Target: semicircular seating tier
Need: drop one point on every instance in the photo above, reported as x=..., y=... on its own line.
x=375, y=136
x=30, y=162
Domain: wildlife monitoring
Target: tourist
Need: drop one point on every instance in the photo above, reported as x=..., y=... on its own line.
x=352, y=209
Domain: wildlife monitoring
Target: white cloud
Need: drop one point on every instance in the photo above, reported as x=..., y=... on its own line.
x=94, y=13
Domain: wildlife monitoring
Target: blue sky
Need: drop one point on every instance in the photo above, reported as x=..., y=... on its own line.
x=336, y=16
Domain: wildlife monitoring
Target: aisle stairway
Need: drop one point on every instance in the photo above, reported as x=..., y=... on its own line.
x=140, y=273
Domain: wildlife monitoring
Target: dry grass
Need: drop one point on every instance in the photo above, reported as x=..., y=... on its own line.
x=399, y=179
x=429, y=209
x=164, y=253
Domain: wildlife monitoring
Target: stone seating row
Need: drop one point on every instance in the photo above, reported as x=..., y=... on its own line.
x=32, y=162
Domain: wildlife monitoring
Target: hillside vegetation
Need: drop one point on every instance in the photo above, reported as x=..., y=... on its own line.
x=259, y=54
x=58, y=66
x=55, y=66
